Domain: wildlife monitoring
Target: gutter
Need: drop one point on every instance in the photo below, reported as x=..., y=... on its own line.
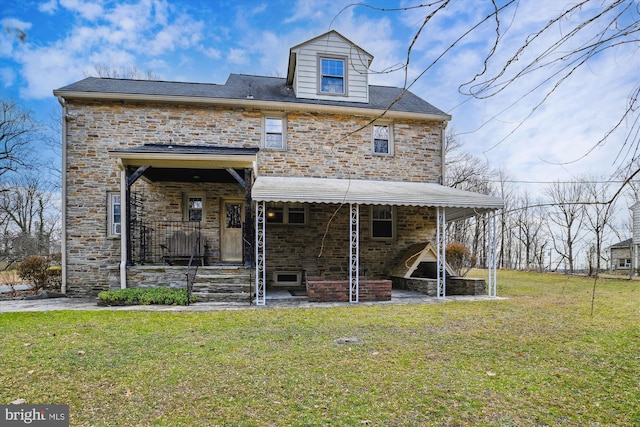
x=63, y=243
x=253, y=103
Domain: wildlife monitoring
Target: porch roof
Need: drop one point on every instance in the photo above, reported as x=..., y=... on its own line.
x=458, y=204
x=186, y=156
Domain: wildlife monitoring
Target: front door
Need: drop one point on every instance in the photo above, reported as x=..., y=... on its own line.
x=231, y=233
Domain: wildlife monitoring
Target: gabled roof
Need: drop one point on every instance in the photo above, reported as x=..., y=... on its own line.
x=623, y=244
x=329, y=33
x=247, y=90
x=293, y=51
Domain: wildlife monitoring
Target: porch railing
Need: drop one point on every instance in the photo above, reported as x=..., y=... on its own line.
x=167, y=242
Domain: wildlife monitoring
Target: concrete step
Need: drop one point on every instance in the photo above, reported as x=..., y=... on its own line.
x=223, y=283
x=222, y=296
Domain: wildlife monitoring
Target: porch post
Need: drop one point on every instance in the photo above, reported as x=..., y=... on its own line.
x=354, y=252
x=124, y=227
x=492, y=258
x=441, y=238
x=260, y=254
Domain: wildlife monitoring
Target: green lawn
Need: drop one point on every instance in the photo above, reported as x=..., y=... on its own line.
x=536, y=358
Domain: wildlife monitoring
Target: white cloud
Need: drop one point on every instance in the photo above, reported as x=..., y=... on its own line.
x=86, y=9
x=8, y=76
x=238, y=56
x=48, y=7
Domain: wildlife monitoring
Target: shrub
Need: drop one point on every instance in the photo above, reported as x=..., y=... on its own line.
x=129, y=296
x=34, y=269
x=459, y=258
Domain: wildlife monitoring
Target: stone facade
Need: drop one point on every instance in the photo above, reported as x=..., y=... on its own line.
x=318, y=145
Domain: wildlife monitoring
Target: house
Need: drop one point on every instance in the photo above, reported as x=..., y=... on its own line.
x=270, y=180
x=620, y=255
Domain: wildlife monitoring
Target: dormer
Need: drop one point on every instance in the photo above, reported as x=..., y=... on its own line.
x=329, y=67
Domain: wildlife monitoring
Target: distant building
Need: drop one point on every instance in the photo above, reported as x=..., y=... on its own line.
x=621, y=259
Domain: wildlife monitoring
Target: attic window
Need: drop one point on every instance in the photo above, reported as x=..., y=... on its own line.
x=332, y=75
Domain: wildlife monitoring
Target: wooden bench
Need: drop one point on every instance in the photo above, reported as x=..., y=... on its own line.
x=180, y=247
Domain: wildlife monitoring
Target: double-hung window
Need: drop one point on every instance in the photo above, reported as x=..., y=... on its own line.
x=332, y=76
x=382, y=139
x=274, y=132
x=194, y=207
x=382, y=222
x=115, y=214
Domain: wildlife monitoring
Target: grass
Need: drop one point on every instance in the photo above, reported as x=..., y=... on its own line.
x=536, y=358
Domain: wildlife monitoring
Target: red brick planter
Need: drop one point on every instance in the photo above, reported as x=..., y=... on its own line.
x=338, y=290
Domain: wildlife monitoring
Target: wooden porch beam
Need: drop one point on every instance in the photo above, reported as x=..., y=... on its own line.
x=238, y=178
x=135, y=175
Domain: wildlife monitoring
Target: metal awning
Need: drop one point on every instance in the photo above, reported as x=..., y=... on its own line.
x=458, y=204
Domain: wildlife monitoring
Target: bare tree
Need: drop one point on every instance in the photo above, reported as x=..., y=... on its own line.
x=530, y=218
x=122, y=72
x=29, y=217
x=599, y=212
x=566, y=218
x=543, y=61
x=18, y=132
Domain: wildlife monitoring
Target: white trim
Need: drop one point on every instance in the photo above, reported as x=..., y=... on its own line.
x=354, y=253
x=441, y=246
x=345, y=73
x=261, y=271
x=123, y=227
x=63, y=243
x=492, y=260
x=254, y=103
x=110, y=212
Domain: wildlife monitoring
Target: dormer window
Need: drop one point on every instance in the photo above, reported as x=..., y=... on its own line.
x=332, y=76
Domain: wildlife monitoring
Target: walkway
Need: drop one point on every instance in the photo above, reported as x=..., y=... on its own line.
x=274, y=300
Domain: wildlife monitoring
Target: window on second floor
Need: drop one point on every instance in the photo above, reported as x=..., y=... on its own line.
x=332, y=76
x=382, y=139
x=274, y=132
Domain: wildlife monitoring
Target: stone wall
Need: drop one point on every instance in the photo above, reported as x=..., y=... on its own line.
x=318, y=145
x=454, y=285
x=338, y=290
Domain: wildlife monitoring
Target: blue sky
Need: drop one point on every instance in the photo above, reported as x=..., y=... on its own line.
x=204, y=41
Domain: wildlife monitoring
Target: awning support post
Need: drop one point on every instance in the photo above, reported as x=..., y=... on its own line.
x=492, y=259
x=441, y=238
x=354, y=252
x=261, y=273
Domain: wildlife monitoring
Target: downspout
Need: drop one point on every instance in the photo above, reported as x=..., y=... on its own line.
x=124, y=225
x=63, y=197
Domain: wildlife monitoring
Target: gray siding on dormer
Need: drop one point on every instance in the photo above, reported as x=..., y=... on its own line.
x=306, y=77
